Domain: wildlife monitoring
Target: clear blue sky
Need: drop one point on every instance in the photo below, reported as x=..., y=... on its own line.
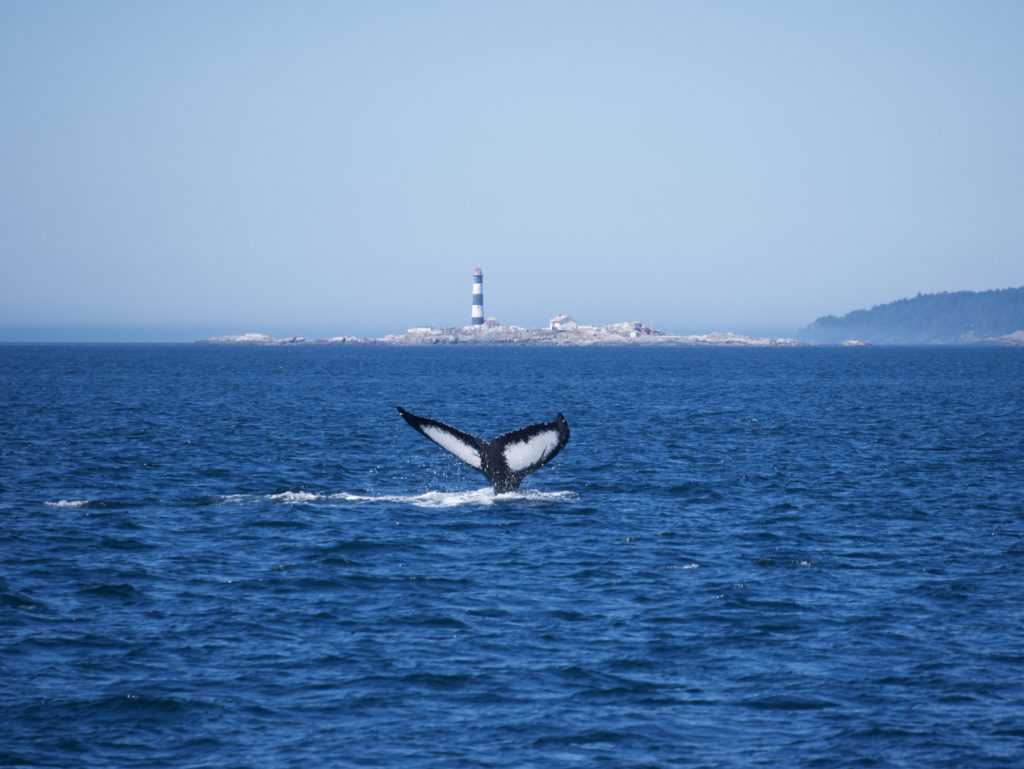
x=182, y=169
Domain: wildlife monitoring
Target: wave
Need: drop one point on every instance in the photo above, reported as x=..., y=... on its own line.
x=67, y=503
x=485, y=496
x=295, y=497
x=430, y=499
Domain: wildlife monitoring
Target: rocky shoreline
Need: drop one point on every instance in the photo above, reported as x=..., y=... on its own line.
x=618, y=334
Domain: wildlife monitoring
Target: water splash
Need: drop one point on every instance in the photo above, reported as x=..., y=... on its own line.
x=431, y=499
x=295, y=497
x=442, y=499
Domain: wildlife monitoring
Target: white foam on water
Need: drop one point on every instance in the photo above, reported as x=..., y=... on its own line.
x=538, y=496
x=447, y=499
x=294, y=497
x=67, y=503
x=437, y=499
x=429, y=499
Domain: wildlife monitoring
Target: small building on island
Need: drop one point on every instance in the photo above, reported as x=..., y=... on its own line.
x=562, y=323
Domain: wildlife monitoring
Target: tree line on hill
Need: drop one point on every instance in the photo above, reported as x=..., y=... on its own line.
x=959, y=317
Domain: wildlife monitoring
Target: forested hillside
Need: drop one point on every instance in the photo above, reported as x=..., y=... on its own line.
x=946, y=318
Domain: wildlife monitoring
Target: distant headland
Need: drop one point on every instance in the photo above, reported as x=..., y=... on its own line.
x=961, y=317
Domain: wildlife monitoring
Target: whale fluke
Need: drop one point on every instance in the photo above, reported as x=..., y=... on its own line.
x=505, y=460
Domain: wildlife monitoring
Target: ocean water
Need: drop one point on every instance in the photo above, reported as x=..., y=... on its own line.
x=242, y=557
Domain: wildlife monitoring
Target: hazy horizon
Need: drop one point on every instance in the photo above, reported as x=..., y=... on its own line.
x=173, y=172
x=176, y=334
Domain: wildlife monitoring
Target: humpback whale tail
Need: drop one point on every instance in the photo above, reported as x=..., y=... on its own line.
x=505, y=460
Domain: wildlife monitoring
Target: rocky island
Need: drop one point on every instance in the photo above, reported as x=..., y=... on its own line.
x=565, y=334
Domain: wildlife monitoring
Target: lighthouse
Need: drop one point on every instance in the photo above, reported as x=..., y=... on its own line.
x=477, y=313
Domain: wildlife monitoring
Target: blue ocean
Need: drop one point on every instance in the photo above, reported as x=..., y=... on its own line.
x=242, y=557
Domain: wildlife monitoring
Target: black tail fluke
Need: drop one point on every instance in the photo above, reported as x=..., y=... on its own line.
x=507, y=459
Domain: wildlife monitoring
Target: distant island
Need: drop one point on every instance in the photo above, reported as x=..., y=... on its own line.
x=562, y=332
x=960, y=317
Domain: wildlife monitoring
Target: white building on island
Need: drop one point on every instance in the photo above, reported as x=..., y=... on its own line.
x=562, y=323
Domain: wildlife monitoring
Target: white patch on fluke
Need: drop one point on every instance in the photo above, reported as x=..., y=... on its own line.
x=522, y=454
x=449, y=442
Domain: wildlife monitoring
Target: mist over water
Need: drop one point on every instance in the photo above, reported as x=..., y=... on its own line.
x=243, y=557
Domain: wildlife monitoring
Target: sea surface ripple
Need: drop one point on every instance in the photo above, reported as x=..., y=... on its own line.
x=237, y=556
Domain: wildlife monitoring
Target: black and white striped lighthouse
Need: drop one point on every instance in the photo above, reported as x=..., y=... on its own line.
x=477, y=316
